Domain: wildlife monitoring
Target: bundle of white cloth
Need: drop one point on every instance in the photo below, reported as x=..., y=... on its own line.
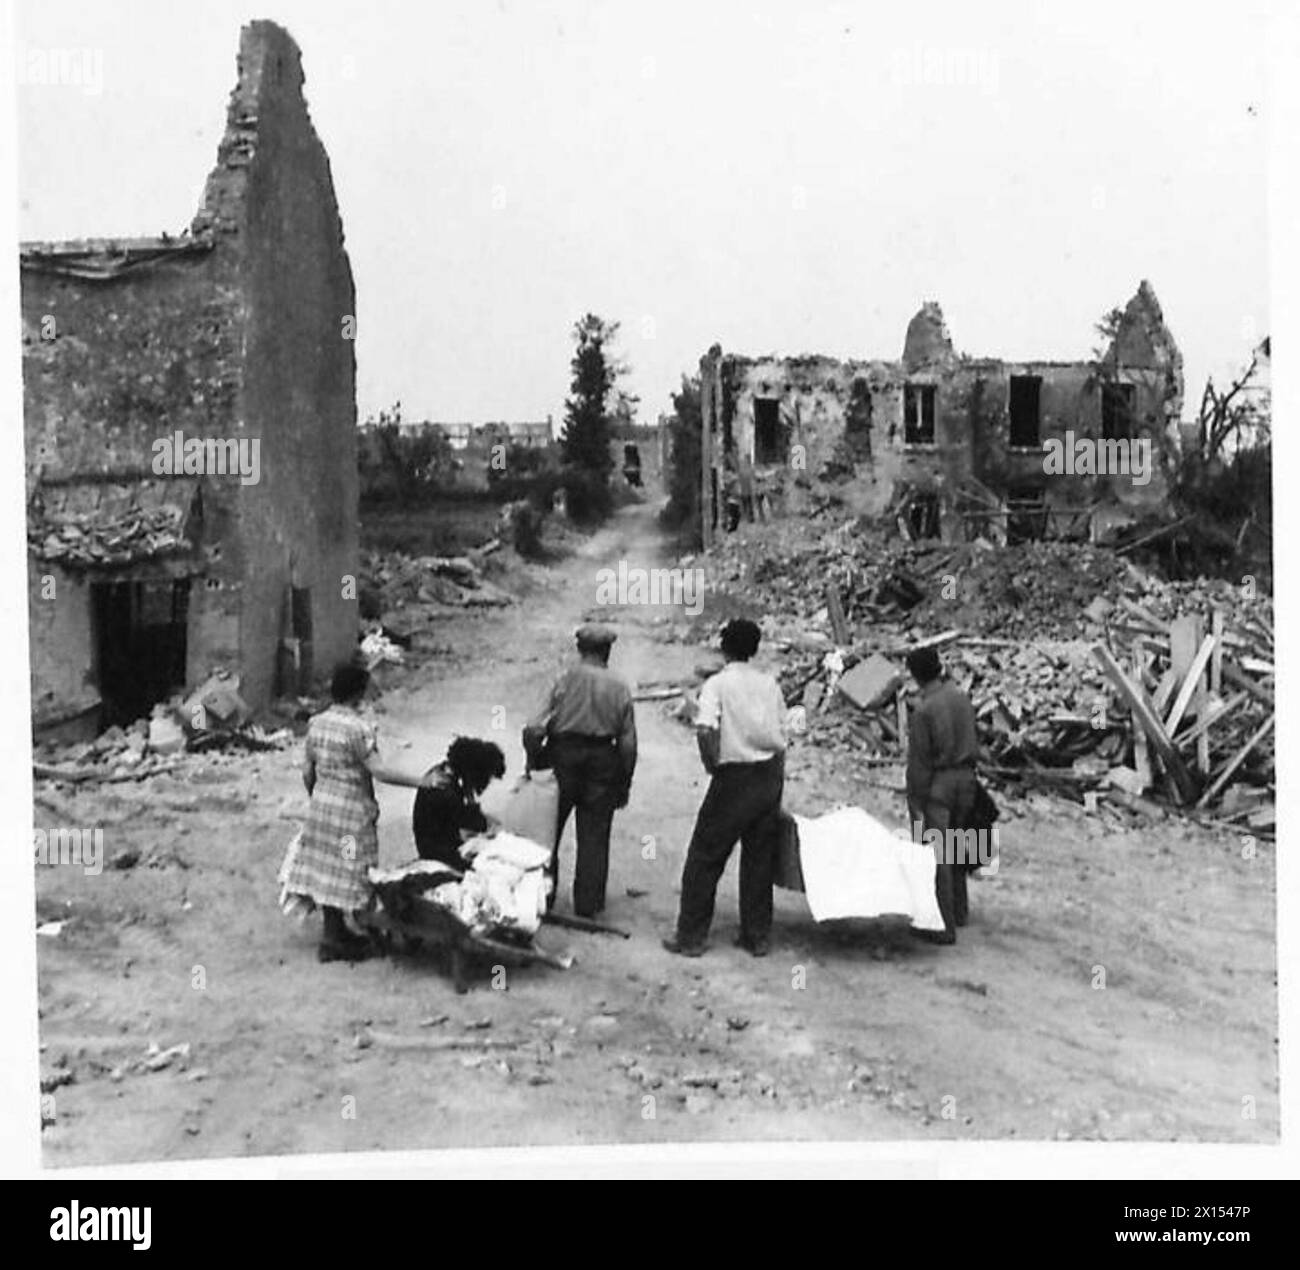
x=503, y=889
x=505, y=886
x=856, y=866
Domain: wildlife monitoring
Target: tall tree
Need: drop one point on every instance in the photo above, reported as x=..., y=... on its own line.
x=587, y=412
x=684, y=458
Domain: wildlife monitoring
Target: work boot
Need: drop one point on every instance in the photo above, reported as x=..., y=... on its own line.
x=675, y=945
x=754, y=947
x=338, y=943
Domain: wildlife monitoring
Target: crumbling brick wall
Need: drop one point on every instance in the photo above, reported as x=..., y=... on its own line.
x=842, y=423
x=271, y=205
x=235, y=331
x=109, y=367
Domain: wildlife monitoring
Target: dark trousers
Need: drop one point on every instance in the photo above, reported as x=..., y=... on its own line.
x=589, y=775
x=743, y=802
x=947, y=806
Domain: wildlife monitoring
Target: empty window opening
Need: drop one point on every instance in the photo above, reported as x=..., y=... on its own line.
x=1026, y=515
x=1025, y=391
x=923, y=516
x=1117, y=411
x=918, y=414
x=140, y=640
x=771, y=445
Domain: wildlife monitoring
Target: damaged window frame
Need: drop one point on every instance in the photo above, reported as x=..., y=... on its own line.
x=1021, y=416
x=1125, y=415
x=917, y=396
x=778, y=453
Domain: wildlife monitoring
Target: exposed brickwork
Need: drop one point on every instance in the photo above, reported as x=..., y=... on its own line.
x=844, y=422
x=244, y=340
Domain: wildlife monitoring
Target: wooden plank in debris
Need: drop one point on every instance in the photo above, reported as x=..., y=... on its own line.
x=1183, y=782
x=1239, y=680
x=1191, y=685
x=1184, y=639
x=1216, y=661
x=1141, y=634
x=107, y=774
x=931, y=641
x=901, y=700
x=1257, y=666
x=1201, y=728
x=1148, y=620
x=1165, y=689
x=839, y=624
x=1236, y=761
x=1141, y=750
x=1213, y=682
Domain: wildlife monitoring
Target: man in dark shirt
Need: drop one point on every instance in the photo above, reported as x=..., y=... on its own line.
x=941, y=754
x=589, y=730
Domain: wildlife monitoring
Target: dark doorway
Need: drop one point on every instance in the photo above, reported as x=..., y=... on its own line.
x=1117, y=411
x=1026, y=515
x=1024, y=405
x=769, y=436
x=918, y=414
x=140, y=630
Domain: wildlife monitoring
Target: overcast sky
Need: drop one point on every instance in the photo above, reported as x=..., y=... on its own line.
x=775, y=177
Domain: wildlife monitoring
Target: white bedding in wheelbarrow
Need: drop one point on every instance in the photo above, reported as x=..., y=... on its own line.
x=855, y=866
x=504, y=888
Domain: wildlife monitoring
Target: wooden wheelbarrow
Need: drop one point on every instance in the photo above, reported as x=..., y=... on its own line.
x=413, y=921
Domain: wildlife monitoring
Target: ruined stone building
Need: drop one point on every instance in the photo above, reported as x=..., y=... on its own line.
x=190, y=417
x=952, y=445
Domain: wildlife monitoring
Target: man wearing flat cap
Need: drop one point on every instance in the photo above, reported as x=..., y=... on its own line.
x=587, y=731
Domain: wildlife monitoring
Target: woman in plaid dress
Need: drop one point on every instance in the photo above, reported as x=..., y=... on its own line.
x=340, y=840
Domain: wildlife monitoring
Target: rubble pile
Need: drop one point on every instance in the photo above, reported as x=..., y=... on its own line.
x=1031, y=590
x=212, y=718
x=1036, y=589
x=404, y=592
x=1089, y=676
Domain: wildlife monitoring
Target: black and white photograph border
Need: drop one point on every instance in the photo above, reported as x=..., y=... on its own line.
x=648, y=591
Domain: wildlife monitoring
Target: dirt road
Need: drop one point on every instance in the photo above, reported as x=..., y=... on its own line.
x=1109, y=986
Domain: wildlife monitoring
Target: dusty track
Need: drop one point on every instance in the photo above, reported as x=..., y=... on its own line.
x=1003, y=1036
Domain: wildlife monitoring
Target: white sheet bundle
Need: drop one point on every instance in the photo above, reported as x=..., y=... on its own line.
x=504, y=887
x=855, y=866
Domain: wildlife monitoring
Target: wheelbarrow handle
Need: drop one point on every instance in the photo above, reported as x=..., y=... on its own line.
x=585, y=923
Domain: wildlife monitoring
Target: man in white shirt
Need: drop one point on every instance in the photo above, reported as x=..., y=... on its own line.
x=740, y=729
